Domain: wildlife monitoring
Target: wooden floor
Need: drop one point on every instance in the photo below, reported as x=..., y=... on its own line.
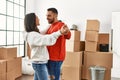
x=27, y=77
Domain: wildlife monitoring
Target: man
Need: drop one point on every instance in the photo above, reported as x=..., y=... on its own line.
x=57, y=51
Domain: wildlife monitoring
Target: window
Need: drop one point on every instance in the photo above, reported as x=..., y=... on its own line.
x=3, y=6
x=11, y=24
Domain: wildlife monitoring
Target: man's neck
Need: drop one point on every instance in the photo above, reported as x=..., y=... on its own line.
x=55, y=21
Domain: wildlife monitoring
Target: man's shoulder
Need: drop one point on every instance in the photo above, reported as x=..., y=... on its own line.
x=55, y=27
x=60, y=24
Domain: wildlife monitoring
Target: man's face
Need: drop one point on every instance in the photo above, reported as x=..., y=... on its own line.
x=51, y=17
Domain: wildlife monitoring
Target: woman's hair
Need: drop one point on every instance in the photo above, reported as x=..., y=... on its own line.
x=30, y=22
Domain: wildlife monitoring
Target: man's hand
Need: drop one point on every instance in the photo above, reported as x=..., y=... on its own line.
x=64, y=30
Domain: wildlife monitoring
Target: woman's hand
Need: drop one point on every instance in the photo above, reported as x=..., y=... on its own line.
x=64, y=30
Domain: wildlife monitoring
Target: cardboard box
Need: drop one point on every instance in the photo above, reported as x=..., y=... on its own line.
x=93, y=25
x=18, y=71
x=72, y=46
x=103, y=38
x=2, y=76
x=90, y=46
x=82, y=45
x=8, y=52
x=14, y=68
x=85, y=74
x=13, y=63
x=75, y=35
x=2, y=66
x=2, y=69
x=108, y=74
x=91, y=36
x=104, y=59
x=12, y=75
x=71, y=73
x=73, y=59
x=98, y=47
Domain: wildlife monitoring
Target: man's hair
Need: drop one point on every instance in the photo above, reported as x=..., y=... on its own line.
x=54, y=10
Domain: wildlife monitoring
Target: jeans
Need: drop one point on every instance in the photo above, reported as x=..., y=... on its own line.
x=41, y=72
x=54, y=68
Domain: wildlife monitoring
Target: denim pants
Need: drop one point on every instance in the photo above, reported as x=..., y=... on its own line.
x=54, y=68
x=41, y=72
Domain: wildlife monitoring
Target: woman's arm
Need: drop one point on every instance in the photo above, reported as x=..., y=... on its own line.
x=37, y=39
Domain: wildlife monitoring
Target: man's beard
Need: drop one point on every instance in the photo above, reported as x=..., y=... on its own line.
x=51, y=21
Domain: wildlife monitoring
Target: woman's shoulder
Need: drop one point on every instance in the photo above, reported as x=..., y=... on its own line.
x=33, y=34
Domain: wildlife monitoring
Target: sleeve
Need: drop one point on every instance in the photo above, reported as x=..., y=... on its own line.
x=67, y=36
x=36, y=39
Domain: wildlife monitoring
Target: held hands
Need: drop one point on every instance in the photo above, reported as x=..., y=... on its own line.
x=64, y=30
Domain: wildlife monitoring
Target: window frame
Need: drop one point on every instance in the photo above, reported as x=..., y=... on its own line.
x=6, y=30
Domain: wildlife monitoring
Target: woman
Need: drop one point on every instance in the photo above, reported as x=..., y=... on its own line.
x=38, y=43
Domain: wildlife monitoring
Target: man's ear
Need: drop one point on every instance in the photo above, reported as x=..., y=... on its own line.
x=56, y=15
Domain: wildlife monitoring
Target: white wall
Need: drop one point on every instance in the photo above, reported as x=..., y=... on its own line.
x=78, y=11
x=30, y=6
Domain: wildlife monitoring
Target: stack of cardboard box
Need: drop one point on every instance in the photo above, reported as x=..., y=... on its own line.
x=71, y=68
x=91, y=37
x=80, y=58
x=10, y=64
x=92, y=57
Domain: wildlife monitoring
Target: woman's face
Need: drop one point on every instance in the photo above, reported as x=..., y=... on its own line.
x=37, y=21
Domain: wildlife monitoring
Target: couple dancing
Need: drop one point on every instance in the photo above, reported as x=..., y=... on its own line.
x=47, y=51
